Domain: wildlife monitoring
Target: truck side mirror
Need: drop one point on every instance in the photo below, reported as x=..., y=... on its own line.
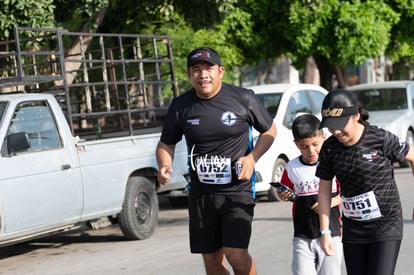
x=17, y=142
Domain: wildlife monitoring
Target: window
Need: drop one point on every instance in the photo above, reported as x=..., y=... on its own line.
x=270, y=102
x=383, y=99
x=317, y=99
x=298, y=104
x=412, y=95
x=36, y=120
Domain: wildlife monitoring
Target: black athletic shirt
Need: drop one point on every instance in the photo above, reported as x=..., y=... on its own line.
x=363, y=167
x=216, y=130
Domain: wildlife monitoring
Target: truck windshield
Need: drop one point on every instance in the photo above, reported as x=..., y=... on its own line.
x=383, y=99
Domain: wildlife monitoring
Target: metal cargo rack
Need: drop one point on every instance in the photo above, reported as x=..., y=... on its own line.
x=107, y=84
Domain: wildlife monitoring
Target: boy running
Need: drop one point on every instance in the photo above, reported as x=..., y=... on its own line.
x=299, y=176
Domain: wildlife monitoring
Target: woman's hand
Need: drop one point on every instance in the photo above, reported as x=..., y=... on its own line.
x=327, y=245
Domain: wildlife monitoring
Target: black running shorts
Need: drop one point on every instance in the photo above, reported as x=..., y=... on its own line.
x=218, y=221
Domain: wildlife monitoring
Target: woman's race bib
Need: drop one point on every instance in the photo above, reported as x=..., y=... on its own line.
x=362, y=207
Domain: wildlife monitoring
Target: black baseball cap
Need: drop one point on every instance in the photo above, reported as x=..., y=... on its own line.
x=337, y=107
x=203, y=54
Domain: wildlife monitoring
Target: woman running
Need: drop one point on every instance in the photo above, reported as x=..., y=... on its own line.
x=361, y=156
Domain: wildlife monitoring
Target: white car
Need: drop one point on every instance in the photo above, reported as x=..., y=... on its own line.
x=390, y=106
x=284, y=102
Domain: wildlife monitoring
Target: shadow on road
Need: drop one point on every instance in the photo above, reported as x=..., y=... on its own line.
x=83, y=235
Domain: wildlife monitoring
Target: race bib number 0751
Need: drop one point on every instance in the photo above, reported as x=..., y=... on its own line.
x=363, y=207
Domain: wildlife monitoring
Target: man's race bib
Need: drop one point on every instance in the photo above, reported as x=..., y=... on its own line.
x=362, y=207
x=213, y=170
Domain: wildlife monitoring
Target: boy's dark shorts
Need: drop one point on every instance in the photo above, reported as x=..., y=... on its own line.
x=218, y=221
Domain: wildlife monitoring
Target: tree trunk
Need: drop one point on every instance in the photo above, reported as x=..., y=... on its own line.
x=75, y=49
x=340, y=76
x=325, y=71
x=311, y=73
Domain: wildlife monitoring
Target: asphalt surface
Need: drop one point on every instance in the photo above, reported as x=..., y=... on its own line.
x=105, y=251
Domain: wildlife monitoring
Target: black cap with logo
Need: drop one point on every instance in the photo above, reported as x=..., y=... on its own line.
x=337, y=107
x=203, y=54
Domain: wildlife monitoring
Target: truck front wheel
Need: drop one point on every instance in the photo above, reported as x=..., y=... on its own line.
x=139, y=215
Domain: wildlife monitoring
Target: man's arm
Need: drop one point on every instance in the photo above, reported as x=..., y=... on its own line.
x=165, y=157
x=263, y=143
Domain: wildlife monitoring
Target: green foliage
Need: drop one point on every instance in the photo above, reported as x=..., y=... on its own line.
x=342, y=31
x=363, y=30
x=339, y=32
x=25, y=13
x=76, y=14
x=204, y=14
x=226, y=29
x=248, y=31
x=402, y=34
x=271, y=33
x=234, y=30
x=69, y=14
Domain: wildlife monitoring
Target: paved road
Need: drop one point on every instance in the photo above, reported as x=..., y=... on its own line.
x=105, y=251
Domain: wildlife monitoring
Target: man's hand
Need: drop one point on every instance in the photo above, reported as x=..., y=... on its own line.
x=247, y=163
x=164, y=174
x=165, y=156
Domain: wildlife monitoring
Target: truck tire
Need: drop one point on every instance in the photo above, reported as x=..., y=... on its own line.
x=278, y=169
x=139, y=215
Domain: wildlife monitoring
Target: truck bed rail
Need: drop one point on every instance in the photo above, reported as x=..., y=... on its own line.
x=105, y=83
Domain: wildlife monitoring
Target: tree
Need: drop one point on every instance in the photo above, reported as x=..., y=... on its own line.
x=27, y=13
x=80, y=15
x=400, y=50
x=70, y=14
x=86, y=16
x=335, y=33
x=218, y=24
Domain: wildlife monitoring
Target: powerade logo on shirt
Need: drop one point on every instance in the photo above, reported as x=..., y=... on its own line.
x=228, y=118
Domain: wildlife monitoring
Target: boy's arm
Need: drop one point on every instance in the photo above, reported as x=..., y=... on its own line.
x=285, y=181
x=335, y=201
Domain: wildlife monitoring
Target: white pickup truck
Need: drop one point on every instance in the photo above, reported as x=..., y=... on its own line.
x=50, y=181
x=83, y=151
